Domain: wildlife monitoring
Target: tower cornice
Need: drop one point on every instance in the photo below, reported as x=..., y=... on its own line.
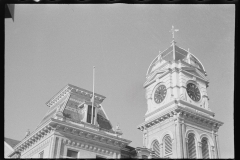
x=183, y=111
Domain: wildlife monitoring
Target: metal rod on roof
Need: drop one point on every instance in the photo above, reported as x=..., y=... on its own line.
x=93, y=93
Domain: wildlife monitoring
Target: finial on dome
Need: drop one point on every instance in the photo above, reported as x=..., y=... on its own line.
x=173, y=30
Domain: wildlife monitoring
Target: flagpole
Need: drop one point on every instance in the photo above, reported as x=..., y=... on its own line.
x=93, y=93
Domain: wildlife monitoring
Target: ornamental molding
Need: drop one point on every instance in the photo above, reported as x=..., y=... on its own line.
x=153, y=78
x=40, y=147
x=87, y=146
x=167, y=115
x=160, y=108
x=182, y=113
x=33, y=139
x=195, y=77
x=71, y=89
x=87, y=134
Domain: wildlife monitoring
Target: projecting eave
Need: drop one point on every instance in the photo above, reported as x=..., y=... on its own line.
x=76, y=90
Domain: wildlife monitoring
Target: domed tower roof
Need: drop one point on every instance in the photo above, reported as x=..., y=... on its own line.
x=175, y=53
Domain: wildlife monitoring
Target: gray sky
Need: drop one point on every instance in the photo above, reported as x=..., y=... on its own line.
x=49, y=46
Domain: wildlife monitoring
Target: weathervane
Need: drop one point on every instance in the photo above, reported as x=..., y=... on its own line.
x=173, y=30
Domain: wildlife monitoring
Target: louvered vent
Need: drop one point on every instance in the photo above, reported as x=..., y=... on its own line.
x=191, y=146
x=167, y=145
x=205, y=150
x=156, y=148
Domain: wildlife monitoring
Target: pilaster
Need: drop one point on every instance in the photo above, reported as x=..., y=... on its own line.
x=200, y=150
x=216, y=146
x=59, y=147
x=161, y=150
x=184, y=141
x=212, y=152
x=52, y=148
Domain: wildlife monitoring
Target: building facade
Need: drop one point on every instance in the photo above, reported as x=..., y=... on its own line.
x=72, y=128
x=178, y=122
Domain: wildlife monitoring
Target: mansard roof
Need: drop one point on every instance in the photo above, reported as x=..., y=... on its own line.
x=76, y=90
x=175, y=53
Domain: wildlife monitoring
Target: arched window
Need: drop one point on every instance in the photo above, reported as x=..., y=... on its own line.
x=205, y=148
x=167, y=145
x=191, y=146
x=156, y=148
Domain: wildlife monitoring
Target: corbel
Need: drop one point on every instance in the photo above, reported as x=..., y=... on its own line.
x=102, y=139
x=65, y=129
x=109, y=141
x=73, y=131
x=115, y=143
x=68, y=142
x=88, y=135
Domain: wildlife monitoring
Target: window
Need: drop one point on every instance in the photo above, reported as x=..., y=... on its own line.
x=100, y=157
x=41, y=154
x=156, y=148
x=72, y=154
x=191, y=146
x=205, y=148
x=167, y=145
x=89, y=114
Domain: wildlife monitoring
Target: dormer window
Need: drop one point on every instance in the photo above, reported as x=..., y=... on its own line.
x=90, y=119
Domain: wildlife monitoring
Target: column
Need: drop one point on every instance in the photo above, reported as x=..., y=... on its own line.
x=215, y=143
x=180, y=138
x=176, y=140
x=218, y=148
x=212, y=152
x=184, y=141
x=161, y=150
x=199, y=150
x=59, y=147
x=52, y=147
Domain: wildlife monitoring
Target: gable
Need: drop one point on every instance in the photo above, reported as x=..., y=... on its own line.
x=195, y=72
x=158, y=73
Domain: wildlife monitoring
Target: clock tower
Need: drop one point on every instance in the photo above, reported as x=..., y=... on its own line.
x=178, y=122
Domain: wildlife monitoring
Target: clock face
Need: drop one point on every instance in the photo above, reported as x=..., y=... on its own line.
x=193, y=92
x=160, y=94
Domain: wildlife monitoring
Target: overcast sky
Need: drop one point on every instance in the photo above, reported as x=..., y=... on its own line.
x=50, y=46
